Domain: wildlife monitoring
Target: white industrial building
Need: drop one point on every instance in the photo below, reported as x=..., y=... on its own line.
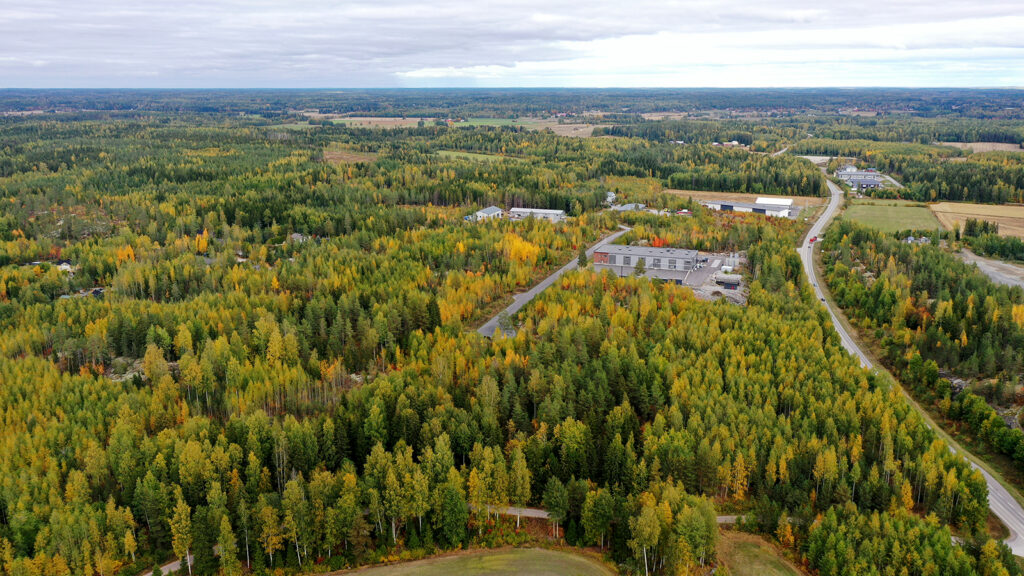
x=539, y=213
x=771, y=208
x=487, y=213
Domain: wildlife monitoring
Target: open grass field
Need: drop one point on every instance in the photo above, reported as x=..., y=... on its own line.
x=984, y=146
x=376, y=122
x=749, y=555
x=475, y=156
x=892, y=215
x=493, y=122
x=1009, y=218
x=801, y=201
x=336, y=153
x=508, y=562
x=292, y=126
x=530, y=123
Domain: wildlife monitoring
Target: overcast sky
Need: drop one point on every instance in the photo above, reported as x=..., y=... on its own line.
x=388, y=43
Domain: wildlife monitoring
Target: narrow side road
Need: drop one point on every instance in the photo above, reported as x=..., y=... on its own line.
x=522, y=299
x=169, y=567
x=1000, y=501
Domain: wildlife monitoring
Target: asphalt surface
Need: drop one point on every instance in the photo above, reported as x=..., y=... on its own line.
x=806, y=254
x=169, y=567
x=1002, y=504
x=999, y=271
x=522, y=299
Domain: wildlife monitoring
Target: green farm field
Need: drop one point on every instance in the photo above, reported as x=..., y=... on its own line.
x=893, y=215
x=529, y=561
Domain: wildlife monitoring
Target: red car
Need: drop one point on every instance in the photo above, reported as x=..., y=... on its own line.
x=813, y=238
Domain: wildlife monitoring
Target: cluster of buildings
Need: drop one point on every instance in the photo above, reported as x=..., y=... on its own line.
x=778, y=207
x=920, y=240
x=517, y=214
x=860, y=179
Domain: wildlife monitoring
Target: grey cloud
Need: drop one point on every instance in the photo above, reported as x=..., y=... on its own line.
x=361, y=43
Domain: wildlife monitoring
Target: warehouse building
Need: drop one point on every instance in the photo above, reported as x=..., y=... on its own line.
x=777, y=210
x=486, y=214
x=664, y=263
x=539, y=213
x=860, y=179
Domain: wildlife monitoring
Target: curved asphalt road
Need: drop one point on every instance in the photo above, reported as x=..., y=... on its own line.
x=806, y=254
x=1000, y=501
x=520, y=300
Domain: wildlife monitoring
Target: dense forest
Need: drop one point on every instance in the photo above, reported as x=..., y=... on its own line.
x=506, y=103
x=983, y=237
x=933, y=173
x=223, y=336
x=933, y=315
x=764, y=133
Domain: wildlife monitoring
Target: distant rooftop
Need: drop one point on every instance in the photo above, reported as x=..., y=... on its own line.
x=628, y=207
x=490, y=211
x=535, y=211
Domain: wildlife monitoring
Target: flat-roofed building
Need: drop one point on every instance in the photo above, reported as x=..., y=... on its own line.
x=774, y=201
x=728, y=281
x=757, y=208
x=539, y=213
x=664, y=263
x=860, y=179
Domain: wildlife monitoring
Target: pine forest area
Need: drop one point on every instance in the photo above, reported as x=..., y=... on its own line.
x=239, y=333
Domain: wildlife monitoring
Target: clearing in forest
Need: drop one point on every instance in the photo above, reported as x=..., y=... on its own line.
x=750, y=555
x=475, y=156
x=701, y=196
x=1009, y=218
x=985, y=146
x=336, y=153
x=508, y=562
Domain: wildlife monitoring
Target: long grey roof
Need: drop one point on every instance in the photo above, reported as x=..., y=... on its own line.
x=856, y=175
x=773, y=207
x=535, y=211
x=646, y=251
x=490, y=210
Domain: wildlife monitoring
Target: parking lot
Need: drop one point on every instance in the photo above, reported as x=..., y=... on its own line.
x=702, y=279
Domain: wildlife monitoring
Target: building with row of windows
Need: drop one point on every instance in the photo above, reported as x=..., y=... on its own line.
x=664, y=263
